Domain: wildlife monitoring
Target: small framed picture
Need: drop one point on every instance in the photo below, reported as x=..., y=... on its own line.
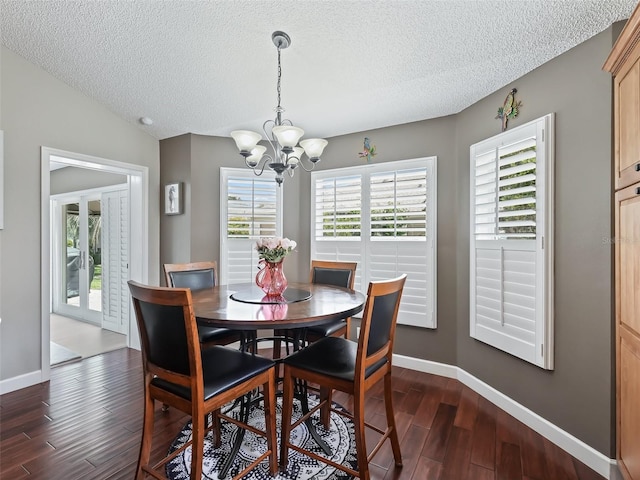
x=173, y=198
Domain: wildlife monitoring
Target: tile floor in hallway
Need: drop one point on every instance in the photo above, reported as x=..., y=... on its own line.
x=83, y=338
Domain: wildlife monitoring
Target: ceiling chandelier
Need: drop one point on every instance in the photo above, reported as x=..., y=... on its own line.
x=281, y=135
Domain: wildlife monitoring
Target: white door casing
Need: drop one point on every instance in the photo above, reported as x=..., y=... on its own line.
x=138, y=192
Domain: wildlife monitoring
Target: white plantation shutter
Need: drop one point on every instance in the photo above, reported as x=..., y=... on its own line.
x=338, y=206
x=115, y=261
x=511, y=253
x=398, y=203
x=250, y=208
x=383, y=217
x=337, y=219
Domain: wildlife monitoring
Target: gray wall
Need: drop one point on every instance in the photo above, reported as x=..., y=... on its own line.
x=175, y=155
x=39, y=110
x=577, y=395
x=73, y=179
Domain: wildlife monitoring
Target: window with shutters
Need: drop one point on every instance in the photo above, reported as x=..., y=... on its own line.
x=250, y=208
x=511, y=256
x=386, y=214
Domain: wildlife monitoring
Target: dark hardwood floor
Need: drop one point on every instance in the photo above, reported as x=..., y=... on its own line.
x=86, y=423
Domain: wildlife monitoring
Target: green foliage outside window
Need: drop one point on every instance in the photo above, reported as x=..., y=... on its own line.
x=527, y=216
x=388, y=222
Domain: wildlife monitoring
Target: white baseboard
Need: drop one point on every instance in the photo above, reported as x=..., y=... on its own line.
x=21, y=381
x=426, y=366
x=615, y=471
x=595, y=460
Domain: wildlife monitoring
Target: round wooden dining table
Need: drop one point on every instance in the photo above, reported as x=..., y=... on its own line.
x=244, y=306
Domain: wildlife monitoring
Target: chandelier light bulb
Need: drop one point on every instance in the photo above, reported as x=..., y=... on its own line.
x=295, y=158
x=256, y=155
x=246, y=140
x=314, y=147
x=287, y=135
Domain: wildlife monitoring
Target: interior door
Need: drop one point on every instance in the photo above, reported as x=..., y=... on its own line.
x=78, y=254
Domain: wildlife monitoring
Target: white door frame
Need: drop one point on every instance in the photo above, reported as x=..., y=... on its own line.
x=138, y=183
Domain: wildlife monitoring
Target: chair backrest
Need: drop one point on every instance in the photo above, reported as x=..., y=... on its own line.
x=168, y=333
x=378, y=326
x=338, y=274
x=196, y=275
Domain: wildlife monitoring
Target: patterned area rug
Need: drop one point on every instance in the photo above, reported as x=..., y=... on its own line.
x=339, y=437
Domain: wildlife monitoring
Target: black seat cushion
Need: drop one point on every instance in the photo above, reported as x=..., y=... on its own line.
x=212, y=334
x=223, y=368
x=327, y=329
x=331, y=356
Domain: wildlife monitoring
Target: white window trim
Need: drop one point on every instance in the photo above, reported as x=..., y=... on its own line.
x=362, y=273
x=542, y=354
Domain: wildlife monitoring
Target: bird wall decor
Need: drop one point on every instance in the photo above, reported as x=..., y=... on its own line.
x=369, y=150
x=509, y=109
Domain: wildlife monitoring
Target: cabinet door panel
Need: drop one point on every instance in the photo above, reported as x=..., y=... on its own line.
x=627, y=225
x=629, y=121
x=630, y=405
x=628, y=245
x=628, y=126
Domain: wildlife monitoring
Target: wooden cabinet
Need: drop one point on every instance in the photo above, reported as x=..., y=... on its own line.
x=627, y=86
x=628, y=330
x=624, y=64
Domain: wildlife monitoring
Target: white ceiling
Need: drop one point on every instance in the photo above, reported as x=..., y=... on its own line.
x=209, y=67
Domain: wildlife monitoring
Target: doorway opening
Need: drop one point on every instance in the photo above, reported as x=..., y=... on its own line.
x=94, y=239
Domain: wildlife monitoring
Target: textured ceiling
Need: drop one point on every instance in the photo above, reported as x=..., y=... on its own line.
x=209, y=67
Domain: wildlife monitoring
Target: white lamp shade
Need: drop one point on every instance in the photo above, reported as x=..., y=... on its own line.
x=313, y=146
x=287, y=135
x=296, y=156
x=246, y=140
x=256, y=155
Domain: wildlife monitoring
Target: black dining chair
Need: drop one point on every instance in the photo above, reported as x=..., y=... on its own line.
x=198, y=276
x=337, y=274
x=177, y=372
x=354, y=368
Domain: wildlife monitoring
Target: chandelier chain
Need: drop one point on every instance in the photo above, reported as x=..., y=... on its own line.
x=279, y=76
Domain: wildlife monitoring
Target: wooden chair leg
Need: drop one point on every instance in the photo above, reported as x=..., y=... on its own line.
x=325, y=410
x=270, y=421
x=391, y=420
x=197, y=445
x=217, y=429
x=347, y=332
x=361, y=444
x=147, y=436
x=287, y=408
